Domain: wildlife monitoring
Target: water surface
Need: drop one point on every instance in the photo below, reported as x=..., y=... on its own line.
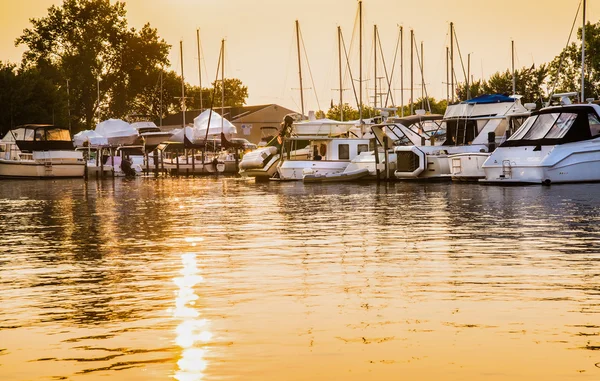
x=225, y=279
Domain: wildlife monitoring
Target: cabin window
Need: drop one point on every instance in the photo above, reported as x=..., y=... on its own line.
x=542, y=125
x=363, y=148
x=58, y=134
x=344, y=152
x=40, y=135
x=562, y=125
x=524, y=128
x=594, y=124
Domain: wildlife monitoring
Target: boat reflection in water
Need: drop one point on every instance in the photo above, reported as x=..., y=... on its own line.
x=191, y=333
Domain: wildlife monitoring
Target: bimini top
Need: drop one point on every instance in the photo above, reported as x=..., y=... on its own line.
x=490, y=98
x=558, y=125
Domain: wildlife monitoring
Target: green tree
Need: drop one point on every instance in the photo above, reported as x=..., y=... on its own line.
x=565, y=76
x=88, y=44
x=28, y=97
x=349, y=112
x=235, y=93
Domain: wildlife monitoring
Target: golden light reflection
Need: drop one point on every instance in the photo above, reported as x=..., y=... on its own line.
x=191, y=333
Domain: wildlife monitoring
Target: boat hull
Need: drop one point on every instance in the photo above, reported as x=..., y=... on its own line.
x=294, y=170
x=23, y=169
x=337, y=177
x=467, y=166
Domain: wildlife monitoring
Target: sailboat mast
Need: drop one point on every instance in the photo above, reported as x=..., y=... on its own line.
x=199, y=66
x=514, y=79
x=402, y=68
x=412, y=71
x=360, y=76
x=300, y=67
x=583, y=55
x=447, y=75
x=469, y=76
x=375, y=65
x=452, y=60
x=182, y=84
x=340, y=64
x=222, y=82
x=161, y=95
x=422, y=77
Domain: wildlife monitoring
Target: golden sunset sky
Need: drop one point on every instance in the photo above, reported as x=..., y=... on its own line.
x=260, y=40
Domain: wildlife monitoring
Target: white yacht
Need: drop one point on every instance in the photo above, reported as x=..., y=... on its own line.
x=468, y=128
x=39, y=151
x=318, y=148
x=558, y=144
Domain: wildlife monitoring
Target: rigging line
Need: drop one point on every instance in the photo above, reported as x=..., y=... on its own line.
x=387, y=77
x=290, y=54
x=350, y=71
x=422, y=76
x=310, y=71
x=562, y=55
x=462, y=64
x=212, y=99
x=393, y=67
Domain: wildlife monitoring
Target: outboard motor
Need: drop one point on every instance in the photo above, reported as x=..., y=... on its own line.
x=127, y=167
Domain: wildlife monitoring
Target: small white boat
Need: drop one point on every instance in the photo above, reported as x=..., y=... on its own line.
x=311, y=177
x=39, y=151
x=151, y=134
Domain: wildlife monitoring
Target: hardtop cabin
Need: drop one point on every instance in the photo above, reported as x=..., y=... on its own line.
x=41, y=137
x=467, y=121
x=558, y=125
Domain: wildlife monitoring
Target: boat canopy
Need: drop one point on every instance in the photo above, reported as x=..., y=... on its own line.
x=42, y=137
x=557, y=125
x=92, y=137
x=322, y=127
x=218, y=124
x=113, y=128
x=490, y=98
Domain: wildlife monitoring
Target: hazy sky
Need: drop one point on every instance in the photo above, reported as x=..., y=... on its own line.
x=260, y=40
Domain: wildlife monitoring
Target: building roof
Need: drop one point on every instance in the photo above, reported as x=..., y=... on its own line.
x=230, y=113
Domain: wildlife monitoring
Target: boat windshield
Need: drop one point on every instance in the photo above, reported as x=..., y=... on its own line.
x=57, y=134
x=545, y=126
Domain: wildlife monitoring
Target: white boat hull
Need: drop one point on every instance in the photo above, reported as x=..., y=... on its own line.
x=428, y=162
x=564, y=163
x=467, y=166
x=35, y=169
x=294, y=170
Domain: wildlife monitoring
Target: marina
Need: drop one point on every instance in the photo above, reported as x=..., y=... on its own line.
x=371, y=210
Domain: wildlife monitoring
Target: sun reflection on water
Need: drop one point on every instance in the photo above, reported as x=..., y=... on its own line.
x=192, y=333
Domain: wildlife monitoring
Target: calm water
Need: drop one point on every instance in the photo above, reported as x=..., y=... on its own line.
x=225, y=279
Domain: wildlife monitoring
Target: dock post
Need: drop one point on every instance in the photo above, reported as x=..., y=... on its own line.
x=101, y=155
x=386, y=157
x=156, y=164
x=177, y=161
x=193, y=162
x=112, y=161
x=377, y=171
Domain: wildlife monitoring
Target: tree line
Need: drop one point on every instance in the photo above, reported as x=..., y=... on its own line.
x=84, y=64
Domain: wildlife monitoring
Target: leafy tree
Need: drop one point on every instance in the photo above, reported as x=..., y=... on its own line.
x=349, y=112
x=436, y=107
x=566, y=76
x=235, y=93
x=28, y=97
x=86, y=41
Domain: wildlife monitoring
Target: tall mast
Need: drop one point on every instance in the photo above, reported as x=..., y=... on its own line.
x=182, y=84
x=340, y=64
x=360, y=78
x=300, y=67
x=514, y=79
x=583, y=56
x=402, y=68
x=222, y=82
x=452, y=60
x=447, y=75
x=161, y=95
x=199, y=66
x=375, y=65
x=422, y=77
x=469, y=76
x=412, y=71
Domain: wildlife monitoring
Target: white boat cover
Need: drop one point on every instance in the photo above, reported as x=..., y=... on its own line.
x=216, y=121
x=114, y=128
x=91, y=136
x=322, y=127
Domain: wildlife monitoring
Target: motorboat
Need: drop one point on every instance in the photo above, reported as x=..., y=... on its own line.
x=319, y=147
x=117, y=132
x=557, y=144
x=470, y=128
x=468, y=166
x=39, y=151
x=413, y=130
